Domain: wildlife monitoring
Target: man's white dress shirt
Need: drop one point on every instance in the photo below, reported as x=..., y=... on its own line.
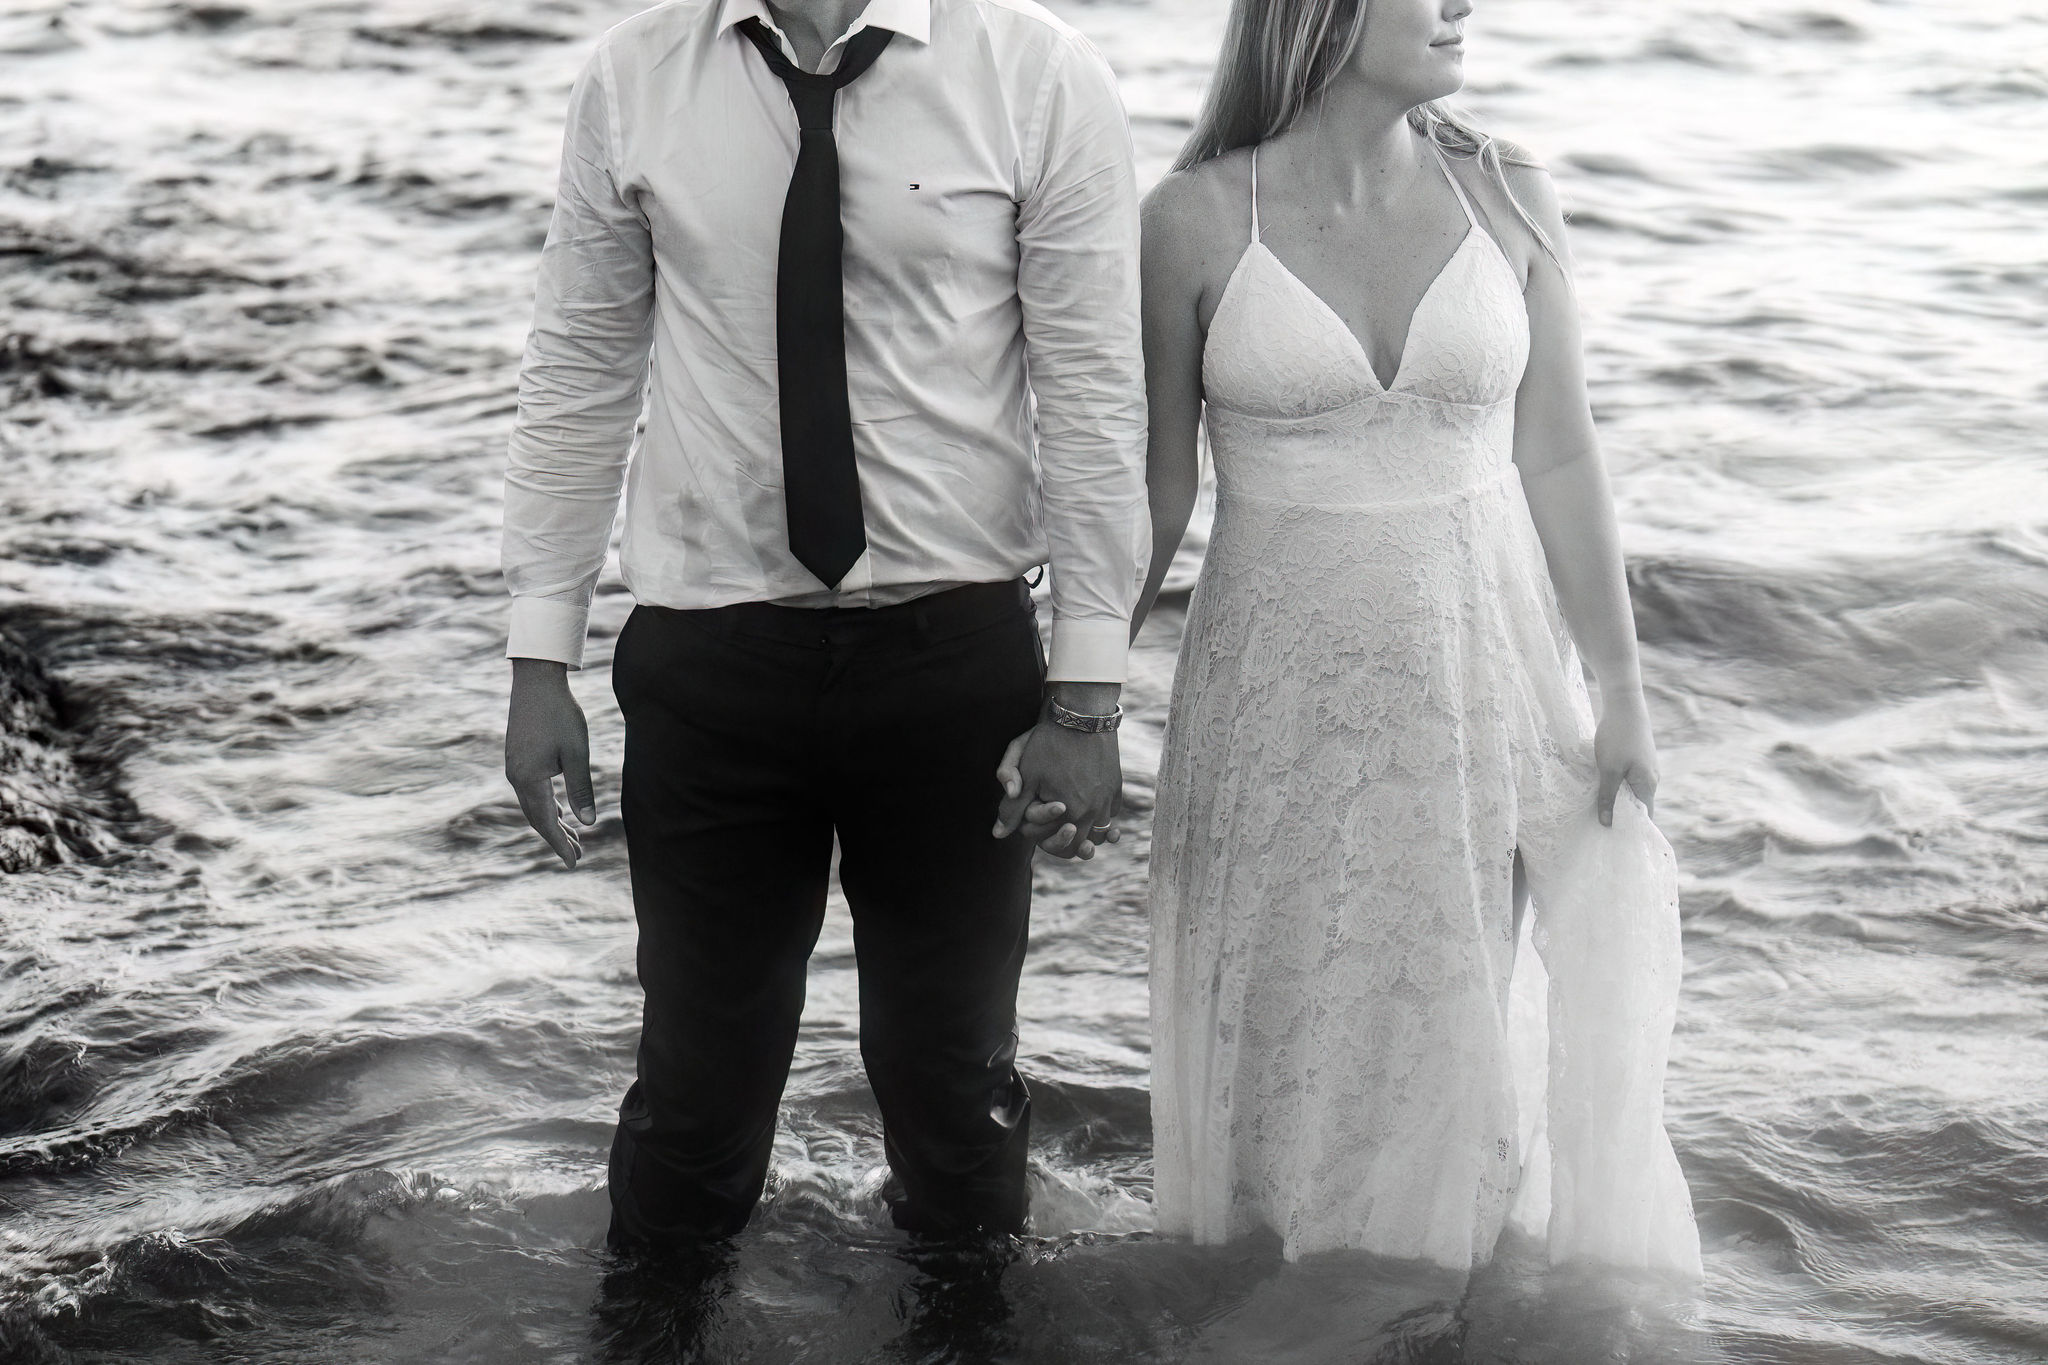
x=990, y=217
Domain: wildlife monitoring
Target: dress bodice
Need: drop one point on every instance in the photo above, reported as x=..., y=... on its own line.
x=1296, y=414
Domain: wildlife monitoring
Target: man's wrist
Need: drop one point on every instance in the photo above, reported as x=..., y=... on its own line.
x=1085, y=698
x=539, y=672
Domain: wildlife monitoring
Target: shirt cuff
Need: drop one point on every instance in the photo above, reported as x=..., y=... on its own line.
x=543, y=628
x=1088, y=651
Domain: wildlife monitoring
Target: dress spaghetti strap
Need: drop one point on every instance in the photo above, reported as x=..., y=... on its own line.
x=1457, y=189
x=1255, y=191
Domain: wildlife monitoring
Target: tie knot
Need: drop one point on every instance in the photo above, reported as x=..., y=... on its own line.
x=812, y=93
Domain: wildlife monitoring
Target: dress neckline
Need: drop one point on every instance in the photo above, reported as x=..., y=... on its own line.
x=1358, y=344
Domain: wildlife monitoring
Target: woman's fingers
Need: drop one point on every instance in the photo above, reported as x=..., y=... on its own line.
x=1041, y=819
x=1640, y=780
x=1083, y=832
x=1643, y=782
x=1008, y=773
x=1603, y=802
x=1030, y=819
x=1012, y=812
x=1066, y=842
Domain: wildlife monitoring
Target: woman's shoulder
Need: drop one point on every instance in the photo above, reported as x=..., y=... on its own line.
x=1524, y=187
x=1530, y=181
x=1203, y=203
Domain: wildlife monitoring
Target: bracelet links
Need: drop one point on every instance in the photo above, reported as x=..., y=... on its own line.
x=1090, y=725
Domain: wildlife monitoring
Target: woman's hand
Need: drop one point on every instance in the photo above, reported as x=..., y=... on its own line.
x=1625, y=752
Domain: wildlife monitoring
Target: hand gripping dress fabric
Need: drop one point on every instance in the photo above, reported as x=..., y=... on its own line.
x=1376, y=706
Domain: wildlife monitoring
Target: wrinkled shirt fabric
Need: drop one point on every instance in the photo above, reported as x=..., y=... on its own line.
x=992, y=335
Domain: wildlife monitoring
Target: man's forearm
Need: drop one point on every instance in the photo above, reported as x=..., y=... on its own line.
x=1077, y=287
x=580, y=387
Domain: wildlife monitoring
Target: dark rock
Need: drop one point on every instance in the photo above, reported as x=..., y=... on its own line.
x=45, y=801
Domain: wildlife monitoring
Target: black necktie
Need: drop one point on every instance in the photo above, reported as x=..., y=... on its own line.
x=820, y=484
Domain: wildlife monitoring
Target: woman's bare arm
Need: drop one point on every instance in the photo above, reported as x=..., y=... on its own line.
x=1571, y=505
x=1176, y=262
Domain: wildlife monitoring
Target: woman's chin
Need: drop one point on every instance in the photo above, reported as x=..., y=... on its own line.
x=1422, y=95
x=1440, y=79
x=1447, y=65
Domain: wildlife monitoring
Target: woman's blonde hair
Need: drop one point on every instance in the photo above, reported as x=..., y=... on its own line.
x=1279, y=54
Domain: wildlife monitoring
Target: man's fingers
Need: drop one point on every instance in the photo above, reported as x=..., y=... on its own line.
x=569, y=838
x=537, y=803
x=1100, y=828
x=561, y=837
x=535, y=798
x=576, y=776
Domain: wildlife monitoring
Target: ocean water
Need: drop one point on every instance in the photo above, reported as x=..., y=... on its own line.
x=309, y=1054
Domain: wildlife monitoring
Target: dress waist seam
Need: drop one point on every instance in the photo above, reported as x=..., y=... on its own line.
x=1389, y=505
x=1291, y=419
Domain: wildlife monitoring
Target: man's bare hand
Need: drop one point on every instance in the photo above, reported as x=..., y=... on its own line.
x=546, y=738
x=1061, y=789
x=1040, y=820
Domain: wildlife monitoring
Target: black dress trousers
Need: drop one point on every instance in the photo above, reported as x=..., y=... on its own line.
x=753, y=734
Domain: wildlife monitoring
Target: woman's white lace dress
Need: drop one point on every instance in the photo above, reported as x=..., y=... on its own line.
x=1377, y=705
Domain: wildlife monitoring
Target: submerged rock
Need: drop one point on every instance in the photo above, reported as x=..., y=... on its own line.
x=48, y=809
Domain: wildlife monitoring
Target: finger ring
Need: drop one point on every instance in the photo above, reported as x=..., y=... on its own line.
x=1100, y=829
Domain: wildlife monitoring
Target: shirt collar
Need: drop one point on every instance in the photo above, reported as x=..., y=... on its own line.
x=911, y=19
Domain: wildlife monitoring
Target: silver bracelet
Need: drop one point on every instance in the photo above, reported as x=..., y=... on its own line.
x=1091, y=725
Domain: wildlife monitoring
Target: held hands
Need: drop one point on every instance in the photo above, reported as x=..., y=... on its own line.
x=1061, y=788
x=545, y=737
x=1624, y=752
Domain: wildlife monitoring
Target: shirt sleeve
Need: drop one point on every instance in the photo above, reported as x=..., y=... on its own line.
x=580, y=385
x=1077, y=279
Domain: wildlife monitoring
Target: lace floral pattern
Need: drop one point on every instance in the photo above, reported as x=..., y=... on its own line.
x=1377, y=705
x=1447, y=360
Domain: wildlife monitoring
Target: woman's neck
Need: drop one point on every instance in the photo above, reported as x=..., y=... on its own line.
x=1357, y=144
